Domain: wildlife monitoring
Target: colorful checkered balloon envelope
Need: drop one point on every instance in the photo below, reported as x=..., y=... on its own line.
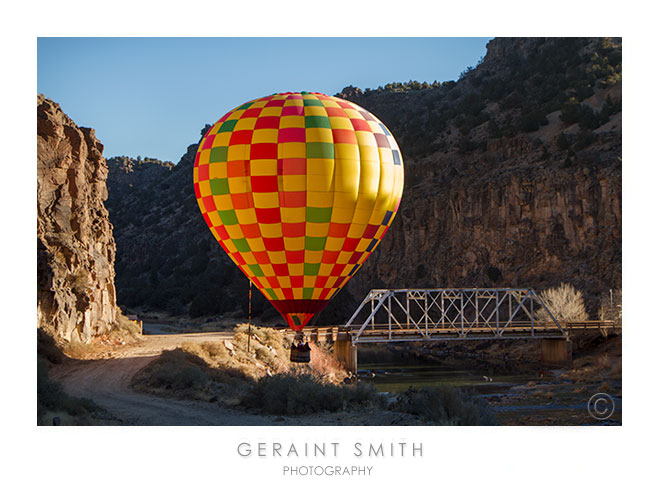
x=298, y=189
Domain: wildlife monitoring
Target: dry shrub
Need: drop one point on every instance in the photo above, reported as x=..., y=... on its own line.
x=228, y=364
x=268, y=354
x=270, y=350
x=564, y=302
x=83, y=351
x=609, y=366
x=611, y=307
x=363, y=393
x=123, y=331
x=295, y=394
x=605, y=367
x=445, y=406
x=219, y=369
x=175, y=372
x=324, y=365
x=543, y=394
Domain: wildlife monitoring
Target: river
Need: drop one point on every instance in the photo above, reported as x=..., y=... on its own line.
x=398, y=375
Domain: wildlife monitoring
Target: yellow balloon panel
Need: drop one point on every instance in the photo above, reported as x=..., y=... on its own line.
x=298, y=188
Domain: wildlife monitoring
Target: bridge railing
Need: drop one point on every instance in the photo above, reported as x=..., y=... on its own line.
x=452, y=314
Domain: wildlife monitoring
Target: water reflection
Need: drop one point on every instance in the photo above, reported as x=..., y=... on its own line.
x=391, y=373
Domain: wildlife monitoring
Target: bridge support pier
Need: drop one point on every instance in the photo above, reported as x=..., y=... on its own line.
x=556, y=351
x=345, y=352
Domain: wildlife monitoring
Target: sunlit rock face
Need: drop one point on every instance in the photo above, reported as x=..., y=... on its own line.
x=76, y=298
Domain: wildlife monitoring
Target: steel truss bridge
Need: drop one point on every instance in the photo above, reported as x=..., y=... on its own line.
x=400, y=315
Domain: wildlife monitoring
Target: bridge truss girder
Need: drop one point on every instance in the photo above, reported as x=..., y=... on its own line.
x=451, y=314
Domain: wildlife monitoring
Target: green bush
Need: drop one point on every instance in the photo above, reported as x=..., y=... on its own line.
x=584, y=139
x=493, y=130
x=465, y=145
x=532, y=120
x=571, y=112
x=585, y=116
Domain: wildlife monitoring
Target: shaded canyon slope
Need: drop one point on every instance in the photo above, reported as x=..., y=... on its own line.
x=522, y=186
x=76, y=298
x=513, y=178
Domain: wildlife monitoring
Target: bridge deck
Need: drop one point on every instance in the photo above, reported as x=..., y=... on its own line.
x=379, y=332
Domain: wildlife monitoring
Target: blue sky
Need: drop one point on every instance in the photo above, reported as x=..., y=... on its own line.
x=152, y=96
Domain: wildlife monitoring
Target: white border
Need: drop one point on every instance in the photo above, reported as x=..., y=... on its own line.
x=170, y=456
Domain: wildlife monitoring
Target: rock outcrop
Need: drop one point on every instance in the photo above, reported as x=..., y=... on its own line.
x=124, y=172
x=527, y=229
x=76, y=298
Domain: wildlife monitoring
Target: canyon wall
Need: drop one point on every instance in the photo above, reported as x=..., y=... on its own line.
x=76, y=298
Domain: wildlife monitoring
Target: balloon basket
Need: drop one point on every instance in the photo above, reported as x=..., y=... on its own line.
x=300, y=356
x=300, y=351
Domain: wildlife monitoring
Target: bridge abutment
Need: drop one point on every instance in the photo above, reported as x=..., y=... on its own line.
x=556, y=351
x=345, y=352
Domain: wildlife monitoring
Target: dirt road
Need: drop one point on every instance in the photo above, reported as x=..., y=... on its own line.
x=107, y=383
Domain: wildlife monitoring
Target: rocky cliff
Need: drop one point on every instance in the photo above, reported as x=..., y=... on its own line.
x=512, y=178
x=515, y=187
x=76, y=297
x=124, y=172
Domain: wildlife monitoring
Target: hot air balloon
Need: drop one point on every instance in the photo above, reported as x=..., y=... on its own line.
x=298, y=189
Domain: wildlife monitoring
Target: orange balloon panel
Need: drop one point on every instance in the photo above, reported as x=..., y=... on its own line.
x=298, y=189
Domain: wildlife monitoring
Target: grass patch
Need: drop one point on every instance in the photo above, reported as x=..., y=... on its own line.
x=445, y=406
